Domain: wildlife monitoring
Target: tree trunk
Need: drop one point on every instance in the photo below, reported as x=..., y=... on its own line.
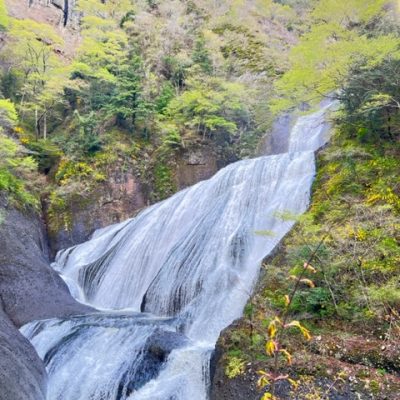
x=37, y=126
x=45, y=126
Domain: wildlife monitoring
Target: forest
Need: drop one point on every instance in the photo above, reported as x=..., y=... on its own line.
x=134, y=87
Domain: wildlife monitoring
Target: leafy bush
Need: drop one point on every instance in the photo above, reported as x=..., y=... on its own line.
x=235, y=366
x=17, y=173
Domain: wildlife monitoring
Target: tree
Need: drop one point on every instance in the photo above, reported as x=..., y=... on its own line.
x=323, y=57
x=32, y=49
x=210, y=107
x=371, y=100
x=126, y=102
x=201, y=56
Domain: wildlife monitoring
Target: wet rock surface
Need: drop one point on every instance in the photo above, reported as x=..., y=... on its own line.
x=29, y=288
x=22, y=373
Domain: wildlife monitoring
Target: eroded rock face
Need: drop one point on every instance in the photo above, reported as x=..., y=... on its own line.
x=22, y=372
x=29, y=290
x=277, y=140
x=125, y=193
x=200, y=162
x=55, y=12
x=115, y=200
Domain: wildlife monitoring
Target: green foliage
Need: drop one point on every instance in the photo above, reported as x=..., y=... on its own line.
x=35, y=78
x=17, y=173
x=46, y=153
x=8, y=114
x=325, y=54
x=209, y=108
x=172, y=138
x=127, y=102
x=317, y=301
x=167, y=93
x=371, y=99
x=201, y=56
x=75, y=172
x=83, y=139
x=164, y=76
x=164, y=183
x=235, y=366
x=356, y=194
x=349, y=12
x=4, y=21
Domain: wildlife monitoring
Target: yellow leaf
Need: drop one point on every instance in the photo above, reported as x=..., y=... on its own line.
x=270, y=347
x=287, y=355
x=308, y=282
x=303, y=330
x=293, y=323
x=287, y=300
x=310, y=268
x=262, y=382
x=267, y=396
x=293, y=383
x=306, y=333
x=261, y=372
x=272, y=329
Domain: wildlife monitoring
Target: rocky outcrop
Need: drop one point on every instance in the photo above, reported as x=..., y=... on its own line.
x=115, y=200
x=196, y=164
x=22, y=373
x=61, y=13
x=29, y=290
x=201, y=160
x=276, y=141
x=125, y=192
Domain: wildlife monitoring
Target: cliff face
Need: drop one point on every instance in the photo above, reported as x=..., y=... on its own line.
x=115, y=200
x=61, y=13
x=200, y=162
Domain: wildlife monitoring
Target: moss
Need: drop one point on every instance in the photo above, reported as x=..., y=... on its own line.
x=59, y=213
x=164, y=183
x=234, y=367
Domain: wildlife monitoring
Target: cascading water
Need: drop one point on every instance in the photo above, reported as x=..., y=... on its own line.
x=178, y=273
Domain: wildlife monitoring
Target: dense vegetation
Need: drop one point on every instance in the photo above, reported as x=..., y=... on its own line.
x=148, y=79
x=352, y=290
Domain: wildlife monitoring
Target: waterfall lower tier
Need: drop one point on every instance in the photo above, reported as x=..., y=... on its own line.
x=191, y=261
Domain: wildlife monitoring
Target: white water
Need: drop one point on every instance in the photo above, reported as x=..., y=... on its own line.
x=194, y=258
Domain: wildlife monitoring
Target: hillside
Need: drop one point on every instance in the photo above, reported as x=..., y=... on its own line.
x=131, y=101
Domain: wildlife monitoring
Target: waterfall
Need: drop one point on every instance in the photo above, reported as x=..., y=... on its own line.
x=169, y=280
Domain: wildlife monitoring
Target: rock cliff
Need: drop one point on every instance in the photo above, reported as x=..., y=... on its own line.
x=29, y=290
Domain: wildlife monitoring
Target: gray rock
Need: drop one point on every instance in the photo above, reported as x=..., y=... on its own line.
x=22, y=373
x=29, y=288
